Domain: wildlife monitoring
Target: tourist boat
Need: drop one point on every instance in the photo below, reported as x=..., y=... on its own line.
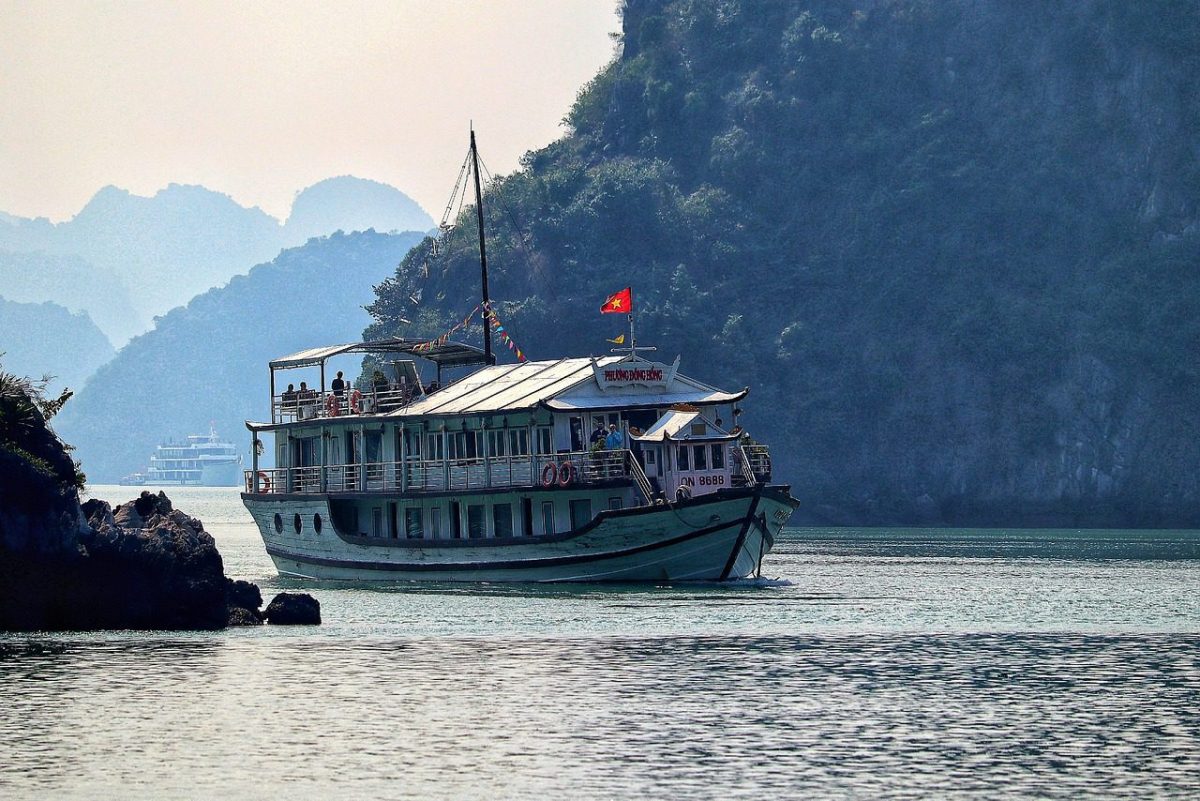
x=491, y=475
x=203, y=460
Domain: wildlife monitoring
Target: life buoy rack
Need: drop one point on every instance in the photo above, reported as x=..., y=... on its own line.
x=683, y=493
x=264, y=482
x=549, y=474
x=355, y=402
x=331, y=405
x=566, y=474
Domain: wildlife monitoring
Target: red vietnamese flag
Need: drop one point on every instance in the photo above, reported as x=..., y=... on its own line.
x=620, y=303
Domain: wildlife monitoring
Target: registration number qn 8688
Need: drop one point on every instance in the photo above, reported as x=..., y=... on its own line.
x=712, y=481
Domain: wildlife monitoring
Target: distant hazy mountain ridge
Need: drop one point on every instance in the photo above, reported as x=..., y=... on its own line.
x=208, y=361
x=46, y=339
x=170, y=247
x=350, y=204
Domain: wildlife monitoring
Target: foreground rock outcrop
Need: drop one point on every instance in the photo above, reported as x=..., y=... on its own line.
x=140, y=565
x=71, y=566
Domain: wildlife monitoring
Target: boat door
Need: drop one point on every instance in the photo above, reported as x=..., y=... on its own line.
x=702, y=467
x=653, y=456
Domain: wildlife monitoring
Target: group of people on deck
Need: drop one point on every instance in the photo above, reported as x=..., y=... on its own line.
x=610, y=439
x=381, y=395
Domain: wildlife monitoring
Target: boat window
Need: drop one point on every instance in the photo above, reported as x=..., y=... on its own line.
x=278, y=524
x=682, y=450
x=614, y=503
x=412, y=523
x=435, y=522
x=476, y=527
x=497, y=443
x=527, y=516
x=297, y=523
x=718, y=457
x=376, y=522
x=317, y=523
x=412, y=444
x=544, y=439
x=518, y=442
x=373, y=447
x=548, y=517
x=651, y=456
x=701, y=454
x=581, y=512
x=455, y=521
x=466, y=444
x=576, y=433
x=435, y=452
x=502, y=521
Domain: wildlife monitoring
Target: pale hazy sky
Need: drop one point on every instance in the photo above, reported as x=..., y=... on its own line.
x=261, y=99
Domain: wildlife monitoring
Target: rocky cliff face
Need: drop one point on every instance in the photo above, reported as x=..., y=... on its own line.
x=951, y=246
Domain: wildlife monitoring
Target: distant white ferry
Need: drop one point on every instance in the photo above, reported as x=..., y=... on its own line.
x=203, y=460
x=497, y=475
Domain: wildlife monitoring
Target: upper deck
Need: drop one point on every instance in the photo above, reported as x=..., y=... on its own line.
x=577, y=385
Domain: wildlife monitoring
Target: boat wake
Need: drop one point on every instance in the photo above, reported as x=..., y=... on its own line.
x=763, y=581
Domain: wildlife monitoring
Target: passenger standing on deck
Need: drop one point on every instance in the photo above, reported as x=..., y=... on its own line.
x=338, y=386
x=615, y=441
x=599, y=433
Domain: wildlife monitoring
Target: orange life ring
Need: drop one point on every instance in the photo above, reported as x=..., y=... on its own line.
x=549, y=474
x=331, y=405
x=566, y=474
x=264, y=482
x=355, y=402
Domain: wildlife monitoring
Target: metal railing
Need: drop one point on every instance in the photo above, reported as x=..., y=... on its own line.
x=544, y=470
x=755, y=462
x=314, y=405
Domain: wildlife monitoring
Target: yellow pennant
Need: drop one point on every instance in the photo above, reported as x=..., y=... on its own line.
x=620, y=340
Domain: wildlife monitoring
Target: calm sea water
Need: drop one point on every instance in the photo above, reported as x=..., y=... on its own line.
x=878, y=663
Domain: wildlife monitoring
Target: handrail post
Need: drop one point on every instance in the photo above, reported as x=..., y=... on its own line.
x=254, y=463
x=403, y=458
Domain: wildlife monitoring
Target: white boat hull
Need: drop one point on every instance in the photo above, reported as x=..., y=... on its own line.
x=719, y=536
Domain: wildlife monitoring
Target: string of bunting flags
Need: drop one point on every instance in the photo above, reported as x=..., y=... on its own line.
x=500, y=332
x=493, y=320
x=444, y=338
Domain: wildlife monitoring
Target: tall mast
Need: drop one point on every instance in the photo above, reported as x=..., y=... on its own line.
x=487, y=330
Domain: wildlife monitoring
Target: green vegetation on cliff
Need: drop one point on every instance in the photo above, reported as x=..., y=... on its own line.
x=952, y=246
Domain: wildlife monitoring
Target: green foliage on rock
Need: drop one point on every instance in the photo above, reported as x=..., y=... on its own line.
x=952, y=246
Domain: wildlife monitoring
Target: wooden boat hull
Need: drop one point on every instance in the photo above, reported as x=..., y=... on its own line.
x=719, y=536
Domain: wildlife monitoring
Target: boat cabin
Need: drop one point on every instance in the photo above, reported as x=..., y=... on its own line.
x=505, y=450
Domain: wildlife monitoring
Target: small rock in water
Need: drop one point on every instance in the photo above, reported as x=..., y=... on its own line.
x=242, y=602
x=240, y=616
x=292, y=609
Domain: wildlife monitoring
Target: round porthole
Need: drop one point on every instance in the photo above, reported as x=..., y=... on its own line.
x=317, y=523
x=297, y=523
x=278, y=524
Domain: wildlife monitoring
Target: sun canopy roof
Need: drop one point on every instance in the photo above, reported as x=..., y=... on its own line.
x=447, y=354
x=682, y=425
